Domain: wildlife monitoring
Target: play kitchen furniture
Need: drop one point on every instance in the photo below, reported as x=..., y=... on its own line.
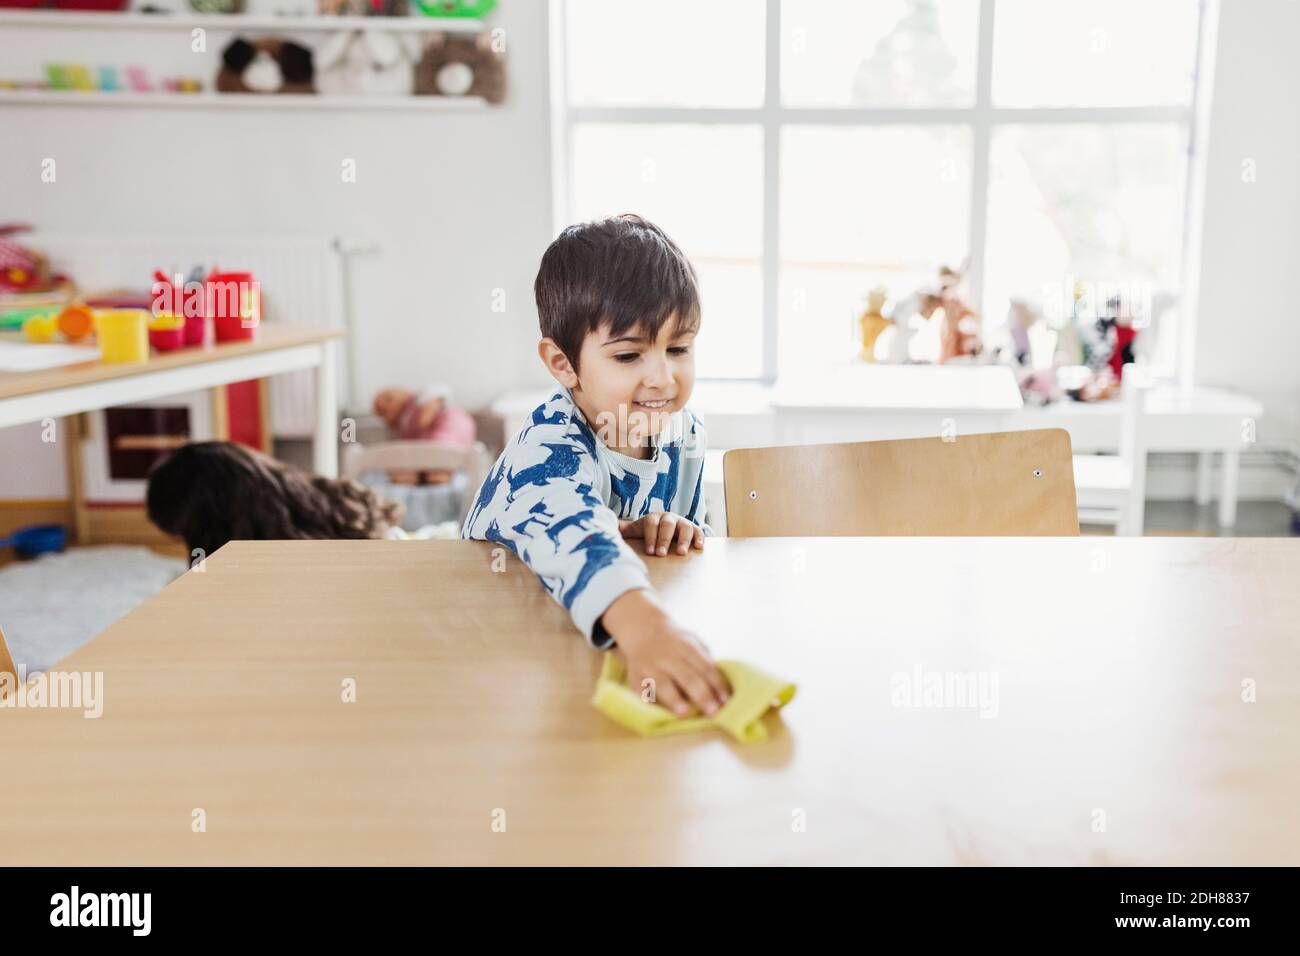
x=402, y=702
x=86, y=386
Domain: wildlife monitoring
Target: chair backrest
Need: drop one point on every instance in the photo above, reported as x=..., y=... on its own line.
x=7, y=665
x=410, y=455
x=1004, y=483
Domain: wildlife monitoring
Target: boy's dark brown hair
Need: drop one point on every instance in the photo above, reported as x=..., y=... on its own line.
x=622, y=270
x=212, y=492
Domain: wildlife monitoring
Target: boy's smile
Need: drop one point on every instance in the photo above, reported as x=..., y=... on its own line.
x=628, y=387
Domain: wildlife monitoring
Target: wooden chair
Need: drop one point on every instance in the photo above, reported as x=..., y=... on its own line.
x=420, y=456
x=1004, y=483
x=1112, y=488
x=7, y=665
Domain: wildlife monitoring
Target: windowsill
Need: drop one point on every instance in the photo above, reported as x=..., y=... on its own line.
x=760, y=401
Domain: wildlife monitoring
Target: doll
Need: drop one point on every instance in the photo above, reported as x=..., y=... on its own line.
x=959, y=334
x=424, y=417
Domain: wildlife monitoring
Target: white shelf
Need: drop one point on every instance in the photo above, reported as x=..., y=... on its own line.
x=269, y=101
x=234, y=22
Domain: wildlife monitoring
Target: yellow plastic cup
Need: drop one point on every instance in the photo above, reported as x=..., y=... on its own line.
x=123, y=335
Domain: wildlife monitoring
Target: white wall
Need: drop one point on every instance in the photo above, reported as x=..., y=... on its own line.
x=1248, y=334
x=459, y=201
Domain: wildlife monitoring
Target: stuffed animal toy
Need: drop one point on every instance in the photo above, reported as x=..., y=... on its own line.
x=457, y=8
x=269, y=65
x=22, y=269
x=461, y=66
x=364, y=8
x=1123, y=335
x=424, y=417
x=217, y=6
x=1020, y=319
x=1038, y=386
x=959, y=336
x=871, y=323
x=923, y=302
x=367, y=62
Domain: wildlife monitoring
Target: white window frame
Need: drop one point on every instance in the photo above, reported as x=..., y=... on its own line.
x=981, y=118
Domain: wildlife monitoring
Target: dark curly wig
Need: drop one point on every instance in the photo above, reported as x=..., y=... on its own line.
x=212, y=492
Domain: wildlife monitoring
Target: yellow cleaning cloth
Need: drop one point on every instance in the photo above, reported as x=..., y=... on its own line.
x=753, y=693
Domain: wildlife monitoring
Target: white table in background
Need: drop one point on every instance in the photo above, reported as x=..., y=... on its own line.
x=88, y=386
x=863, y=402
x=1201, y=420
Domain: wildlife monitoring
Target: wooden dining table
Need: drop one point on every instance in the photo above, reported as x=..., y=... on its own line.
x=1078, y=700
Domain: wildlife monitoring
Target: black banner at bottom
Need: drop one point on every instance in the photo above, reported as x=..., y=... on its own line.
x=337, y=905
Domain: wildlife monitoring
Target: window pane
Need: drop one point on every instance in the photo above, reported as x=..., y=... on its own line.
x=886, y=53
x=1093, y=208
x=666, y=53
x=1099, y=53
x=861, y=208
x=703, y=186
x=730, y=343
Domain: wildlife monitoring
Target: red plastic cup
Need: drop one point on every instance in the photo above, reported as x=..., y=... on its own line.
x=234, y=301
x=196, y=328
x=232, y=329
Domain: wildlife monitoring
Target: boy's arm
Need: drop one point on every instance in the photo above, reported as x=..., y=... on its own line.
x=569, y=539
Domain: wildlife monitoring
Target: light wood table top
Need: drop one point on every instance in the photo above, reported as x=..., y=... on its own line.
x=1119, y=667
x=270, y=337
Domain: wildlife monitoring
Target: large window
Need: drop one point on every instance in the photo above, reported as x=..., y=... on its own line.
x=804, y=152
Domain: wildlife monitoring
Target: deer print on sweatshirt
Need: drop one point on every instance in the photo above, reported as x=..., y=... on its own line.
x=555, y=495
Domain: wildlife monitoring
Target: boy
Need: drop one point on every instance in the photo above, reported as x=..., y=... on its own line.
x=614, y=453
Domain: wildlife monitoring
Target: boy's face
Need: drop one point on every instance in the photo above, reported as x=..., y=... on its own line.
x=629, y=387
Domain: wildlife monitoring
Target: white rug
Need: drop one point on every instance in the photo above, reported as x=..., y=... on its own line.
x=52, y=605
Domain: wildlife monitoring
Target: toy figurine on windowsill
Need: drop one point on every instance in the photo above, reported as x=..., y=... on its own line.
x=959, y=335
x=871, y=323
x=424, y=416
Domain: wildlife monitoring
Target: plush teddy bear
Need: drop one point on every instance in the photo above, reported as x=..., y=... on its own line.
x=268, y=65
x=461, y=66
x=367, y=62
x=959, y=335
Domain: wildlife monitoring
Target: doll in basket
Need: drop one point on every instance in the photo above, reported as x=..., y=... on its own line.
x=424, y=416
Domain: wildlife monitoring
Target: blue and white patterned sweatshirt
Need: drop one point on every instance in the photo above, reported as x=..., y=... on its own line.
x=556, y=494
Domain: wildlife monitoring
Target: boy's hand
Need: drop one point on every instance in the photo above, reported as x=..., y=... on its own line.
x=656, y=648
x=659, y=528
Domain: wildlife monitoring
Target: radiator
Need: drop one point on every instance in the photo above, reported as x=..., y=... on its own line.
x=301, y=280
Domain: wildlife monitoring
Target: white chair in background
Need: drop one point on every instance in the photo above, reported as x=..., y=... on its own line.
x=1111, y=489
x=420, y=456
